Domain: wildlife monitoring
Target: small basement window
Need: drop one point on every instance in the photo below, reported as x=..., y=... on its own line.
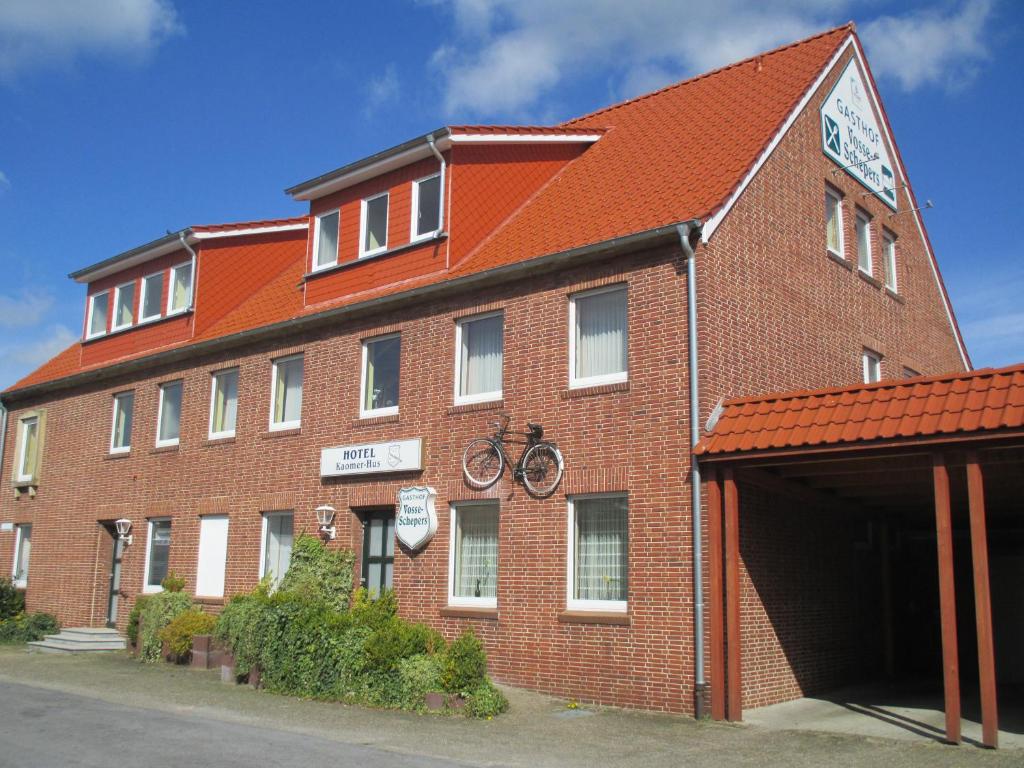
x=426, y=207
x=375, y=225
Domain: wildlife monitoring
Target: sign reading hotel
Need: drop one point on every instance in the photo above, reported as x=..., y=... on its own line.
x=416, y=518
x=372, y=458
x=851, y=136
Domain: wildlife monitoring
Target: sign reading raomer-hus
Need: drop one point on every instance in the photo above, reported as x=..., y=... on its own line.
x=372, y=458
x=850, y=135
x=416, y=519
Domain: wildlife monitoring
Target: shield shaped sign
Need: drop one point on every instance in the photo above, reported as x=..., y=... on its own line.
x=416, y=521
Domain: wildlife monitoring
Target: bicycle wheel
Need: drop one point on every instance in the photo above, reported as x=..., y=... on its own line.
x=542, y=469
x=482, y=462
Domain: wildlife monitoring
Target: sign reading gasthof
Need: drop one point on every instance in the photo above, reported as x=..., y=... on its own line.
x=372, y=458
x=416, y=518
x=851, y=136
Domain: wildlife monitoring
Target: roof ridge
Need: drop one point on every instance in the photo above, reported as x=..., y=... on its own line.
x=266, y=222
x=848, y=26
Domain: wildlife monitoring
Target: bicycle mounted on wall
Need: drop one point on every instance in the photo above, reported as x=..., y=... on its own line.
x=539, y=467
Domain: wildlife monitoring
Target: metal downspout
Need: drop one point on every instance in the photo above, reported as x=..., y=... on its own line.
x=443, y=196
x=192, y=291
x=700, y=683
x=3, y=432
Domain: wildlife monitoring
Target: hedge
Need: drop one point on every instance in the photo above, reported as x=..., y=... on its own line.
x=27, y=627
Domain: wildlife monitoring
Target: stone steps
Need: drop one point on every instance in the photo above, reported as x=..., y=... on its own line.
x=80, y=640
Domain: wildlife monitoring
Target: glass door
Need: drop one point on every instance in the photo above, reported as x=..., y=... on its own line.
x=378, y=550
x=115, y=579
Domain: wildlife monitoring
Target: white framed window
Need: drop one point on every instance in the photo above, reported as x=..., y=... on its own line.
x=124, y=306
x=22, y=554
x=380, y=376
x=276, y=545
x=473, y=554
x=99, y=309
x=373, y=227
x=598, y=337
x=28, y=448
x=479, y=355
x=598, y=559
x=168, y=415
x=223, y=403
x=158, y=551
x=121, y=431
x=325, y=240
x=872, y=367
x=152, y=300
x=179, y=297
x=889, y=258
x=213, y=556
x=834, y=223
x=426, y=207
x=286, y=393
x=864, y=243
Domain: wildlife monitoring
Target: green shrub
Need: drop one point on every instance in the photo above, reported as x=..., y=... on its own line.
x=132, y=630
x=319, y=573
x=172, y=582
x=27, y=627
x=12, y=600
x=159, y=611
x=397, y=639
x=465, y=664
x=238, y=628
x=179, y=632
x=485, y=701
x=418, y=676
x=373, y=613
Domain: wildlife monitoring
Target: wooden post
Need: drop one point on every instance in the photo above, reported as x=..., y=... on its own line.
x=982, y=603
x=734, y=709
x=717, y=596
x=947, y=598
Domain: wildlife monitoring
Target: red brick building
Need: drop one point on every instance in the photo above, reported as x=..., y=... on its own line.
x=550, y=273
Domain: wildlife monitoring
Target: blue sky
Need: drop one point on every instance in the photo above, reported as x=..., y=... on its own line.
x=122, y=119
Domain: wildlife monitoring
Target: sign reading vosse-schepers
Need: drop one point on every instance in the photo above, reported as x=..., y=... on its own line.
x=416, y=518
x=372, y=458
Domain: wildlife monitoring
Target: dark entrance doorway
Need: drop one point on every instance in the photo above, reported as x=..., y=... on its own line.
x=378, y=549
x=114, y=576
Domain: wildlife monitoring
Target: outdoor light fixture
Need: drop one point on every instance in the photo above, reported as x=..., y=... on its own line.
x=124, y=526
x=324, y=516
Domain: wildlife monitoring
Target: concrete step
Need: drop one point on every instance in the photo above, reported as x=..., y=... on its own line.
x=79, y=640
x=57, y=646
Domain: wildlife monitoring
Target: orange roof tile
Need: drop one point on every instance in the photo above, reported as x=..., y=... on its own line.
x=924, y=407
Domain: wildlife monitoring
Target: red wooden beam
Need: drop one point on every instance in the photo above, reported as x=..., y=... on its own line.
x=734, y=709
x=947, y=598
x=982, y=603
x=717, y=596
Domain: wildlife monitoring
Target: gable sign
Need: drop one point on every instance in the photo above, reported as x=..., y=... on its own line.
x=851, y=136
x=416, y=520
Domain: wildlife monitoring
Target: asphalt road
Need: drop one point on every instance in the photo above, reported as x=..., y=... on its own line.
x=52, y=729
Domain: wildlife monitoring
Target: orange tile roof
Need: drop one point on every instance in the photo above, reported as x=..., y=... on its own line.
x=235, y=225
x=924, y=407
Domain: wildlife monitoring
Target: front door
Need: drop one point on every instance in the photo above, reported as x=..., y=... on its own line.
x=378, y=550
x=115, y=578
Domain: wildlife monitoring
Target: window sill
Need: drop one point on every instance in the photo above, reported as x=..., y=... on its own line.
x=595, y=617
x=371, y=256
x=895, y=296
x=598, y=389
x=272, y=433
x=467, y=612
x=133, y=326
x=212, y=441
x=164, y=449
x=869, y=279
x=372, y=421
x=485, y=405
x=840, y=260
x=208, y=600
x=120, y=455
x=21, y=485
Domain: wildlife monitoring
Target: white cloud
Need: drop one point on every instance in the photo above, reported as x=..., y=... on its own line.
x=23, y=354
x=507, y=56
x=37, y=33
x=382, y=90
x=988, y=308
x=930, y=46
x=25, y=310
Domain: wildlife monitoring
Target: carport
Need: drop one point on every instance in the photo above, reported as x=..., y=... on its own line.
x=921, y=476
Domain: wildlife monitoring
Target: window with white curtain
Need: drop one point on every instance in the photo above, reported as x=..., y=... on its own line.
x=169, y=414
x=872, y=367
x=99, y=307
x=213, y=556
x=326, y=240
x=479, y=343
x=473, y=559
x=278, y=535
x=180, y=296
x=598, y=337
x=374, y=225
x=28, y=448
x=864, y=243
x=223, y=403
x=124, y=305
x=834, y=223
x=22, y=553
x=381, y=359
x=286, y=393
x=121, y=431
x=598, y=572
x=426, y=206
x=158, y=551
x=152, y=297
x=889, y=256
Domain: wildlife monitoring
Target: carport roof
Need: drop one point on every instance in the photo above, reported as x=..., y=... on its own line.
x=985, y=402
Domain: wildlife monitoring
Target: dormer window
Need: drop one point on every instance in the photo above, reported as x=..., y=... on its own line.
x=99, y=307
x=124, y=305
x=325, y=239
x=426, y=207
x=374, y=237
x=180, y=296
x=152, y=297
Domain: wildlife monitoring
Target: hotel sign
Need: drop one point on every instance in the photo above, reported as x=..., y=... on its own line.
x=850, y=135
x=372, y=458
x=416, y=518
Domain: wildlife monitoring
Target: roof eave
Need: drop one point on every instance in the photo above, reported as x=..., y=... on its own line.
x=159, y=247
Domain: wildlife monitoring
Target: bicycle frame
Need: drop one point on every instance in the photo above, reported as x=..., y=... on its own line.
x=501, y=438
